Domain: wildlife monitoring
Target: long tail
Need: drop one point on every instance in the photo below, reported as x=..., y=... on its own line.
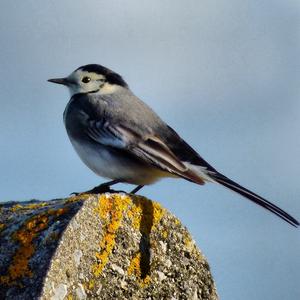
x=255, y=198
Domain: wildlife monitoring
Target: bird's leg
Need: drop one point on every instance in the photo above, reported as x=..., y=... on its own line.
x=136, y=189
x=102, y=188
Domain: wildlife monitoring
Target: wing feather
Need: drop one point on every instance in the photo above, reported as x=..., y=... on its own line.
x=150, y=148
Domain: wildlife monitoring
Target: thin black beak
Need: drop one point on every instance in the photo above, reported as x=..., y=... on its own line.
x=64, y=81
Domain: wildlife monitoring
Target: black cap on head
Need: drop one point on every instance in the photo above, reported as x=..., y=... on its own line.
x=111, y=76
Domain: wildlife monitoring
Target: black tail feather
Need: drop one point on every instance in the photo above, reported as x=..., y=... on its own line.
x=223, y=180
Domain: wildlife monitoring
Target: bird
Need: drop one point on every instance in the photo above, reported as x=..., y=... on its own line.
x=119, y=137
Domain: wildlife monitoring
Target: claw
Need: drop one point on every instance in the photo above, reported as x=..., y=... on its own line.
x=100, y=189
x=105, y=188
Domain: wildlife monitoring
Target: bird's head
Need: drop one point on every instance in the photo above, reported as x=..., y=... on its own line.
x=92, y=79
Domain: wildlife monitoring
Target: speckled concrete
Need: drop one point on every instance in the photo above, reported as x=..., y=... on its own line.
x=109, y=246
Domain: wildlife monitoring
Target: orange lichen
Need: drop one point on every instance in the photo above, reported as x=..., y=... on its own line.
x=58, y=212
x=145, y=214
x=189, y=243
x=134, y=268
x=80, y=197
x=25, y=236
x=2, y=226
x=36, y=205
x=16, y=207
x=111, y=211
x=177, y=222
x=158, y=213
x=164, y=234
x=91, y=284
x=69, y=297
x=29, y=206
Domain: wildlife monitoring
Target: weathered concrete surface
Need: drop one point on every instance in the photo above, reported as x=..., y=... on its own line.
x=110, y=246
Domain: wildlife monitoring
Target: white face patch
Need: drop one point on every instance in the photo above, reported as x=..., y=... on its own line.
x=87, y=82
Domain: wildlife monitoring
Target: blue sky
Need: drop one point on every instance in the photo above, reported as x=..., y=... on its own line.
x=224, y=74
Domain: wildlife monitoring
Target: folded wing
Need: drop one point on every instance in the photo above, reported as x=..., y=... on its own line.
x=149, y=148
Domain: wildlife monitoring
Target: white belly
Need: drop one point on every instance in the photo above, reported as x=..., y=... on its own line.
x=104, y=164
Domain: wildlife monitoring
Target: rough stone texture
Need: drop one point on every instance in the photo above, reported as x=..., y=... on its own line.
x=109, y=246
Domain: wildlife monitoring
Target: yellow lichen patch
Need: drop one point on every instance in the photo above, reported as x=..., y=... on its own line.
x=16, y=207
x=25, y=236
x=158, y=213
x=91, y=284
x=81, y=197
x=29, y=206
x=35, y=205
x=134, y=268
x=189, y=243
x=145, y=214
x=135, y=214
x=69, y=297
x=111, y=211
x=177, y=222
x=164, y=234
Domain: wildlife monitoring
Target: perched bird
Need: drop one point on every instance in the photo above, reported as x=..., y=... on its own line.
x=119, y=137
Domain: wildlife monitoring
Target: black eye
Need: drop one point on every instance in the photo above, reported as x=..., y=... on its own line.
x=86, y=79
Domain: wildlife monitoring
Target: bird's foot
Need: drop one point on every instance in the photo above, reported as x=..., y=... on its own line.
x=95, y=190
x=105, y=188
x=100, y=189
